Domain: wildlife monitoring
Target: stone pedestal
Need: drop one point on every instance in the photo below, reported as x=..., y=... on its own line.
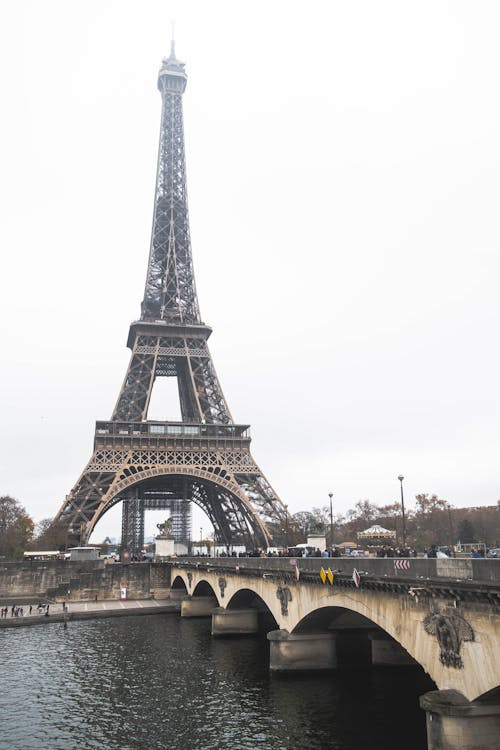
x=198, y=606
x=234, y=621
x=164, y=547
x=301, y=652
x=387, y=652
x=453, y=723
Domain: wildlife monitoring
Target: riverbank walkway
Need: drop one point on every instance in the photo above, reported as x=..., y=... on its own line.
x=78, y=610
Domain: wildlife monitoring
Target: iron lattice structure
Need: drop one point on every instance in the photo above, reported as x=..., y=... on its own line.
x=205, y=458
x=135, y=506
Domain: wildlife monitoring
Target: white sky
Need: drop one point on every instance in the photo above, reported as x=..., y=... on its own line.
x=343, y=174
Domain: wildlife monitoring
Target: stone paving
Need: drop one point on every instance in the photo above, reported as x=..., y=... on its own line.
x=78, y=610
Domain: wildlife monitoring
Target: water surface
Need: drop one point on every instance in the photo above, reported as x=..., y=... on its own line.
x=160, y=682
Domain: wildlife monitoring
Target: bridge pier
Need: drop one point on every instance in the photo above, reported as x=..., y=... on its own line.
x=198, y=606
x=297, y=652
x=387, y=652
x=453, y=723
x=177, y=594
x=234, y=621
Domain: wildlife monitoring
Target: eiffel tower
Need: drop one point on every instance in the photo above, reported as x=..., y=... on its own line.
x=204, y=458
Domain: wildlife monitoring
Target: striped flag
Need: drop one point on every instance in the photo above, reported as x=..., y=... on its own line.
x=356, y=578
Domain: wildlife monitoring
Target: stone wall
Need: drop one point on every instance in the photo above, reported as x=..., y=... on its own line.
x=58, y=580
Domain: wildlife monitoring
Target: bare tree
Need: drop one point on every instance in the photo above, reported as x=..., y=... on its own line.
x=16, y=527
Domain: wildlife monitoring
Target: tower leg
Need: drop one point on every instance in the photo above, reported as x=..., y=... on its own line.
x=132, y=527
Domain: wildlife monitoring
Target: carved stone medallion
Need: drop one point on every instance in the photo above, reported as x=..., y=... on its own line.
x=450, y=629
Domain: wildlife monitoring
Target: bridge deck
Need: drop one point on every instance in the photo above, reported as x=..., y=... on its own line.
x=471, y=579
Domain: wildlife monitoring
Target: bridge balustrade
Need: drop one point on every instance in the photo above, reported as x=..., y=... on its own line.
x=476, y=571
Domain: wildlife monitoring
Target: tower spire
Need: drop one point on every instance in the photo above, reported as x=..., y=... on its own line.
x=170, y=293
x=172, y=41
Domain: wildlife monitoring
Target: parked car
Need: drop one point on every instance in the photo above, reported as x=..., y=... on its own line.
x=494, y=552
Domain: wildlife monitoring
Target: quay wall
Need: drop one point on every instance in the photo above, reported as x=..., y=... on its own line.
x=59, y=580
x=53, y=579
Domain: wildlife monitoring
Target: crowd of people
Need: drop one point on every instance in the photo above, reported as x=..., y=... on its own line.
x=15, y=611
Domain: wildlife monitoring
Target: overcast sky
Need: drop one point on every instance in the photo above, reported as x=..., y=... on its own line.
x=343, y=167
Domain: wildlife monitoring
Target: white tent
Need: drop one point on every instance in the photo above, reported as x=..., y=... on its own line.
x=377, y=531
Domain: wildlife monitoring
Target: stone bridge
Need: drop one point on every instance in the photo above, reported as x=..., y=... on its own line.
x=440, y=614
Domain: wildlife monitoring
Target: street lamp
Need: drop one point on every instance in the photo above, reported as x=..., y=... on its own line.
x=401, y=477
x=330, y=495
x=286, y=526
x=201, y=538
x=452, y=545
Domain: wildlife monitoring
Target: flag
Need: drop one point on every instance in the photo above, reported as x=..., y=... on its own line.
x=322, y=575
x=329, y=575
x=356, y=578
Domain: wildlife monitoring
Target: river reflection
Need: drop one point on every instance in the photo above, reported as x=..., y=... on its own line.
x=163, y=683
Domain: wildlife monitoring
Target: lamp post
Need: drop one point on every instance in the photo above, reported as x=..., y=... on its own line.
x=452, y=546
x=330, y=495
x=201, y=537
x=286, y=527
x=401, y=477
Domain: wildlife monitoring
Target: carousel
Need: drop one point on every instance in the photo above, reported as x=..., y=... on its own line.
x=376, y=536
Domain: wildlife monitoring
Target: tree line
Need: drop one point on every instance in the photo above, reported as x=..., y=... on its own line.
x=19, y=532
x=432, y=521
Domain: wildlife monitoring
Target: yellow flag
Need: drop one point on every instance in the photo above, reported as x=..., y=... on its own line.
x=322, y=575
x=329, y=575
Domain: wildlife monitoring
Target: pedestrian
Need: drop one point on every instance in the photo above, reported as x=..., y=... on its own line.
x=47, y=611
x=31, y=607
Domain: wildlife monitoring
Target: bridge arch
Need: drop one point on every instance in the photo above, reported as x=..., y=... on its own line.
x=247, y=598
x=330, y=617
x=178, y=584
x=204, y=588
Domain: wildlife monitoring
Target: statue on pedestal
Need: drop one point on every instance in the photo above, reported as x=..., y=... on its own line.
x=165, y=529
x=164, y=541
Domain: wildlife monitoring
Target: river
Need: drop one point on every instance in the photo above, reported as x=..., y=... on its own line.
x=160, y=682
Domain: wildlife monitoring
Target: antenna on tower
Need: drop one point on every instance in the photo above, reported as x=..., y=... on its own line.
x=172, y=40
